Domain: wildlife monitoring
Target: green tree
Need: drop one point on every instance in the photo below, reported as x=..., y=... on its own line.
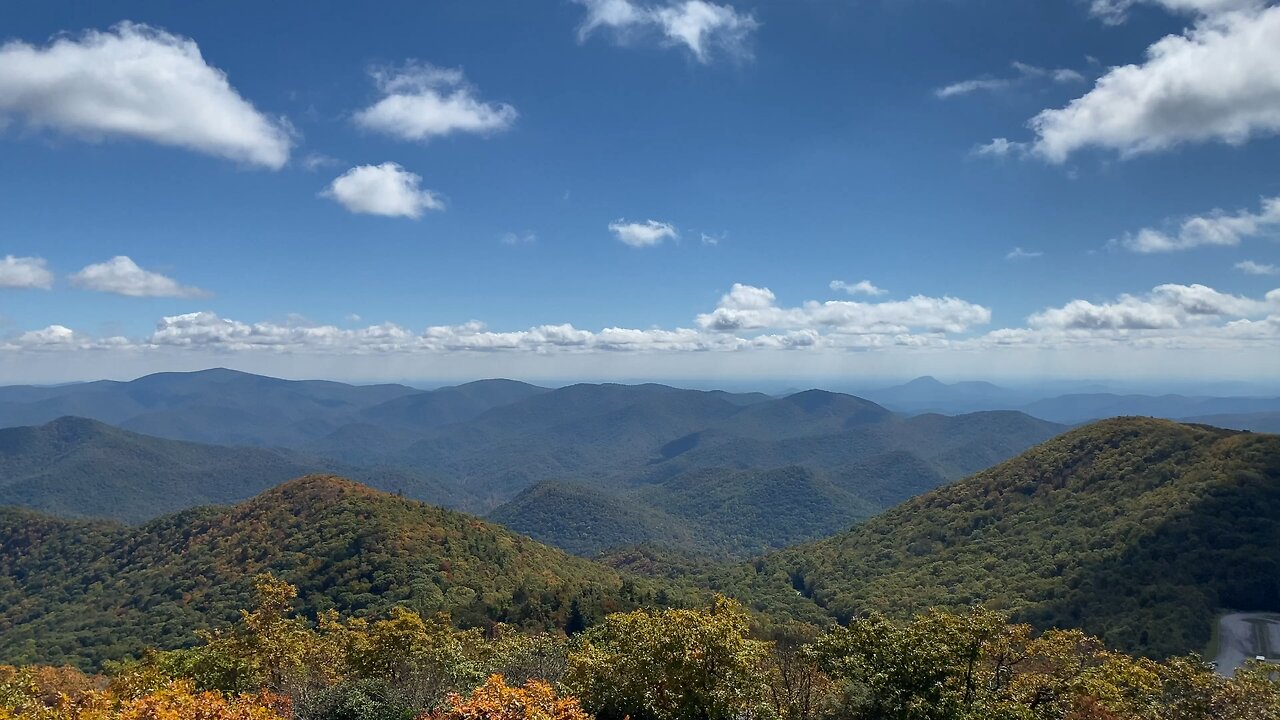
x=670, y=665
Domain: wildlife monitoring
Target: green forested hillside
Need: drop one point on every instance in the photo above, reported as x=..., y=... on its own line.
x=81, y=592
x=1135, y=529
x=717, y=512
x=81, y=468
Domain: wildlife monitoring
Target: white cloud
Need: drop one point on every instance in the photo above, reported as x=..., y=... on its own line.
x=964, y=87
x=421, y=102
x=643, y=234
x=705, y=29
x=748, y=308
x=862, y=287
x=121, y=276
x=1217, y=82
x=709, y=239
x=387, y=189
x=1170, y=330
x=28, y=273
x=1218, y=228
x=1166, y=307
x=618, y=15
x=1116, y=11
x=1025, y=72
x=134, y=81
x=1000, y=147
x=1020, y=254
x=1249, y=267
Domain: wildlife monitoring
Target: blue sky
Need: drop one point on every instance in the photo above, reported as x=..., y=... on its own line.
x=351, y=193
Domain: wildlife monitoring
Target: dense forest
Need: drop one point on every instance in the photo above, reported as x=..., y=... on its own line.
x=702, y=663
x=1136, y=530
x=82, y=592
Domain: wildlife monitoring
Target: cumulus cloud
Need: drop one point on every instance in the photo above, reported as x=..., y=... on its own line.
x=209, y=331
x=1165, y=307
x=862, y=287
x=746, y=319
x=643, y=234
x=1218, y=228
x=705, y=29
x=135, y=81
x=1216, y=82
x=748, y=308
x=387, y=189
x=420, y=102
x=1020, y=254
x=121, y=276
x=1024, y=73
x=27, y=273
x=1249, y=267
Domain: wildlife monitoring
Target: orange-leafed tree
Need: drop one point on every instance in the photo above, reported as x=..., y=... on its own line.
x=495, y=700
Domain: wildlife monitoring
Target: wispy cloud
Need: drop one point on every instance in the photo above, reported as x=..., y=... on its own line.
x=862, y=287
x=1249, y=267
x=1020, y=254
x=528, y=237
x=1024, y=73
x=705, y=29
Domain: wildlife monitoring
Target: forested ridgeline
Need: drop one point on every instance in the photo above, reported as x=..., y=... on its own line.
x=691, y=664
x=1133, y=529
x=82, y=592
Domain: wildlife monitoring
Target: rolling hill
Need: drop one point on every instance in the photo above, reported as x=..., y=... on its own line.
x=82, y=591
x=1134, y=529
x=749, y=479
x=76, y=467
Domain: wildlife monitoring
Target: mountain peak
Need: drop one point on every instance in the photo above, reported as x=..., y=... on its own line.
x=926, y=381
x=317, y=489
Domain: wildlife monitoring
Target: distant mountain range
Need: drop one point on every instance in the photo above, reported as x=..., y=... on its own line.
x=226, y=407
x=927, y=394
x=718, y=472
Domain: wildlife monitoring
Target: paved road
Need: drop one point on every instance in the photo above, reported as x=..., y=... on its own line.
x=1244, y=636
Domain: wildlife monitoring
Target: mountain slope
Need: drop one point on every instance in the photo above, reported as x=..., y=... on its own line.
x=75, y=591
x=1137, y=530
x=78, y=467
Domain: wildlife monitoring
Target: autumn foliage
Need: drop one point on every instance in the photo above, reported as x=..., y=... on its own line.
x=707, y=663
x=495, y=700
